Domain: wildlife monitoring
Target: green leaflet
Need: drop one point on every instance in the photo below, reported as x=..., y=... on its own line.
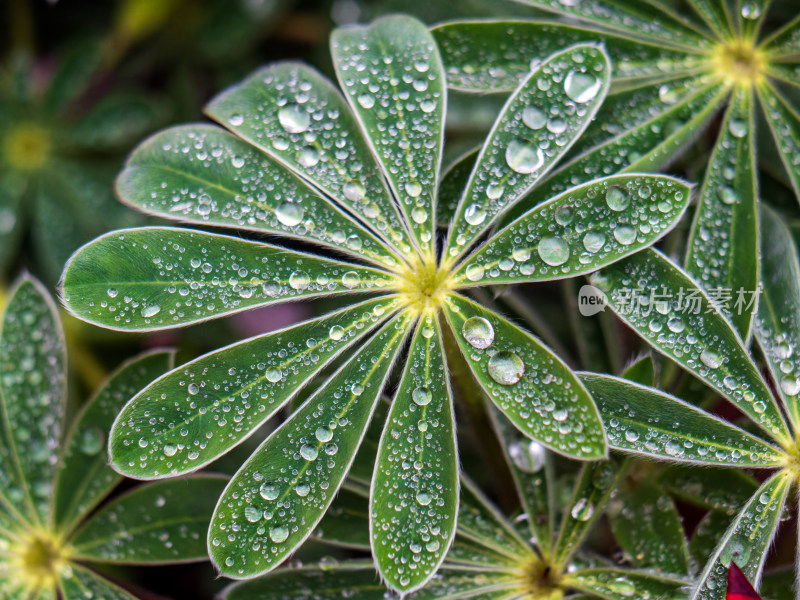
x=784, y=43
x=85, y=478
x=722, y=253
x=538, y=124
x=158, y=277
x=199, y=411
x=533, y=388
x=295, y=115
x=645, y=148
x=346, y=522
x=494, y=56
x=747, y=539
x=414, y=493
x=784, y=122
x=532, y=469
x=224, y=181
x=401, y=106
x=79, y=583
x=579, y=231
x=279, y=495
x=595, y=483
x=619, y=584
x=715, y=14
x=632, y=18
x=644, y=420
x=156, y=523
x=32, y=397
x=722, y=489
x=667, y=308
x=777, y=324
x=648, y=527
x=454, y=180
x=707, y=534
x=356, y=580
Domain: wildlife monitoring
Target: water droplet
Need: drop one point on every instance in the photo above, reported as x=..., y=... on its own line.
x=193, y=389
x=506, y=368
x=323, y=434
x=710, y=358
x=299, y=280
x=170, y=450
x=474, y=271
x=273, y=375
x=424, y=498
x=790, y=385
x=478, y=332
x=564, y=215
x=308, y=157
x=351, y=280
x=151, y=311
x=421, y=396
x=366, y=101
x=252, y=514
x=582, y=510
x=268, y=491
x=524, y=158
x=553, y=250
x=727, y=195
x=617, y=198
x=92, y=440
x=474, y=215
x=419, y=215
x=581, y=87
x=593, y=241
x=308, y=452
x=413, y=189
x=354, y=190
x=236, y=120
x=336, y=333
x=279, y=534
x=534, y=117
x=625, y=235
x=293, y=118
x=737, y=128
x=528, y=456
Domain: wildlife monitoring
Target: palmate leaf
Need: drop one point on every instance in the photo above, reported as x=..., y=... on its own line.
x=593, y=487
x=32, y=396
x=85, y=477
x=647, y=421
x=414, y=494
x=159, y=277
x=533, y=388
x=79, y=583
x=723, y=245
x=157, y=523
x=531, y=467
x=647, y=526
x=622, y=214
x=197, y=412
x=633, y=18
x=296, y=116
x=618, y=584
x=747, y=539
x=536, y=127
x=777, y=323
x=280, y=494
x=667, y=308
x=401, y=107
x=202, y=174
x=494, y=56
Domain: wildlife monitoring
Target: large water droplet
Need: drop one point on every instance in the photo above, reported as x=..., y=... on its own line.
x=92, y=440
x=593, y=241
x=617, y=198
x=293, y=118
x=533, y=117
x=268, y=491
x=528, y=456
x=309, y=452
x=478, y=332
x=582, y=510
x=421, y=396
x=506, y=368
x=299, y=280
x=151, y=311
x=625, y=235
x=474, y=215
x=710, y=358
x=553, y=250
x=279, y=534
x=581, y=87
x=524, y=158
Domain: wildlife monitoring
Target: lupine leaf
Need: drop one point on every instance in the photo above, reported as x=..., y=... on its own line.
x=480, y=521
x=414, y=494
x=579, y=231
x=156, y=523
x=158, y=277
x=346, y=522
x=777, y=324
x=633, y=18
x=32, y=396
x=708, y=533
x=531, y=466
x=715, y=15
x=202, y=174
x=494, y=56
x=280, y=494
x=538, y=124
x=723, y=489
x=645, y=148
x=747, y=540
x=356, y=580
x=400, y=103
x=784, y=123
x=454, y=180
x=85, y=477
x=722, y=253
x=785, y=42
x=620, y=584
x=295, y=115
x=79, y=583
x=645, y=420
x=199, y=411
x=592, y=491
x=533, y=388
x=752, y=15
x=648, y=527
x=667, y=308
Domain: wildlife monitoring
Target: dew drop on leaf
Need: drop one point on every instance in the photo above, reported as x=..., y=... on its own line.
x=524, y=158
x=268, y=491
x=617, y=198
x=582, y=510
x=421, y=396
x=289, y=213
x=553, y=250
x=474, y=215
x=478, y=332
x=506, y=368
x=581, y=87
x=527, y=455
x=293, y=118
x=279, y=534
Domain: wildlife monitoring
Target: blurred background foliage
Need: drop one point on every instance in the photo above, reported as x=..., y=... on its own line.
x=83, y=81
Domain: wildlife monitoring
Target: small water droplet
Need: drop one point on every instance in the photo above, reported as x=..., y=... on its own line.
x=151, y=311
x=268, y=491
x=308, y=452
